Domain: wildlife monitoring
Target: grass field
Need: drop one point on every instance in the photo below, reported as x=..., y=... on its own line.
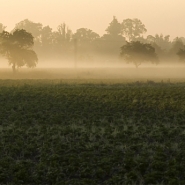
x=91, y=132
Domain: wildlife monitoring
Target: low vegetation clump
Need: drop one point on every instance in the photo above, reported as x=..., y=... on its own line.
x=53, y=132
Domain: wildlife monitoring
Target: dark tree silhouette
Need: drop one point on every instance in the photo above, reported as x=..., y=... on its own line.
x=64, y=32
x=108, y=45
x=133, y=28
x=181, y=54
x=62, y=40
x=46, y=42
x=177, y=44
x=2, y=27
x=85, y=41
x=114, y=28
x=85, y=35
x=46, y=36
x=31, y=27
x=17, y=48
x=162, y=41
x=137, y=52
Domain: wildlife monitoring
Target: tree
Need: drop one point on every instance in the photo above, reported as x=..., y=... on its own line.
x=161, y=53
x=64, y=32
x=31, y=27
x=85, y=35
x=62, y=41
x=137, y=52
x=161, y=40
x=109, y=45
x=34, y=28
x=133, y=28
x=85, y=42
x=179, y=48
x=17, y=48
x=2, y=27
x=46, y=36
x=114, y=27
x=43, y=44
x=161, y=44
x=63, y=37
x=181, y=54
x=177, y=45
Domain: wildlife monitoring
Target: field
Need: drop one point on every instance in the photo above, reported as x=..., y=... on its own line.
x=92, y=132
x=120, y=74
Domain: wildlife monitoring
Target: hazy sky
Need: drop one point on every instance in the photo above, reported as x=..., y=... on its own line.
x=159, y=16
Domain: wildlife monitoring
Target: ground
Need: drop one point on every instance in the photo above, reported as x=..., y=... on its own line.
x=93, y=130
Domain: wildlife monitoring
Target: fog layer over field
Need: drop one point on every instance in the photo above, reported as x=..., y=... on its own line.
x=99, y=69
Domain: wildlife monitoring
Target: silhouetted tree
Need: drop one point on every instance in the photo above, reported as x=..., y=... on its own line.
x=85, y=35
x=182, y=39
x=45, y=48
x=161, y=40
x=137, y=52
x=46, y=36
x=181, y=54
x=85, y=42
x=109, y=44
x=133, y=28
x=31, y=27
x=114, y=28
x=16, y=47
x=62, y=41
x=177, y=45
x=63, y=38
x=2, y=27
x=161, y=53
x=161, y=44
x=150, y=39
x=64, y=32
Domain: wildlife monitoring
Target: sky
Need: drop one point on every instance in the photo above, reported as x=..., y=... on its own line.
x=159, y=16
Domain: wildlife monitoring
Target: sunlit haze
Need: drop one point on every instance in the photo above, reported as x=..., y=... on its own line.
x=159, y=16
x=99, y=49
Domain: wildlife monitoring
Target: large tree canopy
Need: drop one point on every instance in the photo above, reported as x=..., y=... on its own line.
x=2, y=27
x=84, y=42
x=114, y=28
x=137, y=52
x=181, y=54
x=31, y=27
x=62, y=39
x=133, y=28
x=161, y=40
x=85, y=35
x=65, y=34
x=17, y=48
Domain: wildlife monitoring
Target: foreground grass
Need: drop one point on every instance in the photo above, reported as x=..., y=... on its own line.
x=53, y=132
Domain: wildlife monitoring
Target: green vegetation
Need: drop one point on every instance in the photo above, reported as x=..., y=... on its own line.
x=54, y=132
x=17, y=48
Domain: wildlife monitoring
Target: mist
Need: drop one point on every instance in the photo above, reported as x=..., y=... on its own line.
x=126, y=49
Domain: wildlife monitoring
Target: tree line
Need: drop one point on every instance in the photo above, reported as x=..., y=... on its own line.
x=29, y=41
